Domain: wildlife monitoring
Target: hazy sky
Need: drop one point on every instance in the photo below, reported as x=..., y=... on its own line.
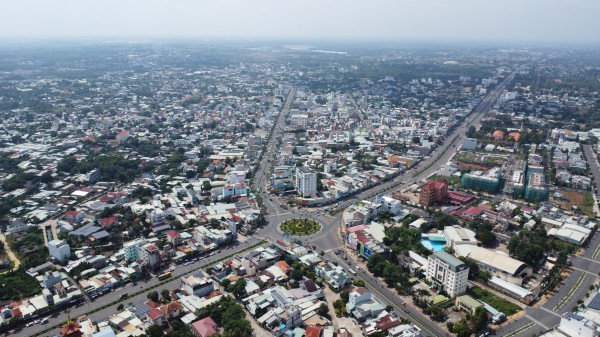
x=575, y=21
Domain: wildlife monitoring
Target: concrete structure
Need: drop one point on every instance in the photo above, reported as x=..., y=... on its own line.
x=450, y=273
x=131, y=249
x=498, y=264
x=197, y=285
x=306, y=182
x=457, y=235
x=482, y=181
x=59, y=249
x=536, y=184
x=433, y=191
x=150, y=255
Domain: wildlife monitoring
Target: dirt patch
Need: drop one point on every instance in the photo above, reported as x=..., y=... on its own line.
x=468, y=166
x=583, y=200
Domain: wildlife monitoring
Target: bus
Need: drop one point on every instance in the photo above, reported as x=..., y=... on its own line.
x=164, y=276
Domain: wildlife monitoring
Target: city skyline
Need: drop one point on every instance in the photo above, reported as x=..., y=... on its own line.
x=434, y=20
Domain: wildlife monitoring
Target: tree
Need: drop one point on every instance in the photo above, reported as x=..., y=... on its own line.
x=120, y=307
x=297, y=274
x=165, y=295
x=479, y=319
x=323, y=310
x=153, y=296
x=238, y=328
x=238, y=288
x=155, y=331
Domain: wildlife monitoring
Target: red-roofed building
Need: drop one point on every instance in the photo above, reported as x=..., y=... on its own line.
x=205, y=327
x=313, y=331
x=73, y=216
x=459, y=198
x=174, y=237
x=515, y=136
x=498, y=135
x=108, y=222
x=433, y=191
x=157, y=316
x=71, y=329
x=471, y=213
x=122, y=136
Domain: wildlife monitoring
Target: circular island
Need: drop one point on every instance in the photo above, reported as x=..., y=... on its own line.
x=300, y=227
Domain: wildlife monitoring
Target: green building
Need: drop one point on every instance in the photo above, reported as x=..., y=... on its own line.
x=488, y=181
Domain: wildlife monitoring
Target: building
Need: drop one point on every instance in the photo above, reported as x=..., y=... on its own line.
x=457, y=235
x=536, y=184
x=498, y=264
x=394, y=206
x=132, y=249
x=448, y=272
x=433, y=191
x=60, y=250
x=150, y=255
x=282, y=178
x=482, y=181
x=469, y=144
x=205, y=327
x=306, y=182
x=574, y=325
x=515, y=184
x=197, y=285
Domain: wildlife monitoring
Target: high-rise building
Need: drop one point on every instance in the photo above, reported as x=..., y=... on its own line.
x=448, y=272
x=488, y=181
x=306, y=182
x=433, y=191
x=59, y=249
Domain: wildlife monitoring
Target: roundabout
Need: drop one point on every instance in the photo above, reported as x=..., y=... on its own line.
x=300, y=227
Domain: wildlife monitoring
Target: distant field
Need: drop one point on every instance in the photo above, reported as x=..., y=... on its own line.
x=583, y=200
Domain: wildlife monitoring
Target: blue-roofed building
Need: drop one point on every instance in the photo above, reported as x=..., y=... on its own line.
x=107, y=332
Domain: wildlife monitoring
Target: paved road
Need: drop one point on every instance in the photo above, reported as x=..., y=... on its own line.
x=585, y=269
x=440, y=155
x=325, y=240
x=84, y=308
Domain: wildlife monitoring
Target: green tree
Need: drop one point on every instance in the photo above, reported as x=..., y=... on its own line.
x=155, y=331
x=323, y=310
x=153, y=296
x=165, y=295
x=238, y=288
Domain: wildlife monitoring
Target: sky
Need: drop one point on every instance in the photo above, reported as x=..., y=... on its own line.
x=563, y=21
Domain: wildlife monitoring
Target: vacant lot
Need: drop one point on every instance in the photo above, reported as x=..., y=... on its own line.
x=500, y=304
x=583, y=200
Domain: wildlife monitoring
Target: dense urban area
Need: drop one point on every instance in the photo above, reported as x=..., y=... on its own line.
x=248, y=189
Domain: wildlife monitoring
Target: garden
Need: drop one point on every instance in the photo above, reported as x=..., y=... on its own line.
x=300, y=227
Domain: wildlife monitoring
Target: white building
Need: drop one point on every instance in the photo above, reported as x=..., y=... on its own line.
x=448, y=272
x=150, y=255
x=199, y=286
x=391, y=205
x=306, y=181
x=59, y=249
x=131, y=249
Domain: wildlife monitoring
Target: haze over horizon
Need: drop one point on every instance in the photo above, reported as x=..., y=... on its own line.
x=542, y=21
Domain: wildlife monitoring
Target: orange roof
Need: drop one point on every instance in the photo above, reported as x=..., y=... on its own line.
x=498, y=133
x=312, y=331
x=283, y=266
x=515, y=136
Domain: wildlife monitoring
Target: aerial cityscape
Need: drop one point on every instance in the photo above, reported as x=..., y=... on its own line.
x=257, y=185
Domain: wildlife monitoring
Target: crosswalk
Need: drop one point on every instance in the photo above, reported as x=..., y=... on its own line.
x=537, y=322
x=550, y=311
x=583, y=270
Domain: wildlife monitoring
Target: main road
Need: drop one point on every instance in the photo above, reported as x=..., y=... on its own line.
x=585, y=269
x=327, y=240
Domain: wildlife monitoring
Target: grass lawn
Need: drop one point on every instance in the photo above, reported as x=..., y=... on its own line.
x=500, y=304
x=583, y=200
x=300, y=226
